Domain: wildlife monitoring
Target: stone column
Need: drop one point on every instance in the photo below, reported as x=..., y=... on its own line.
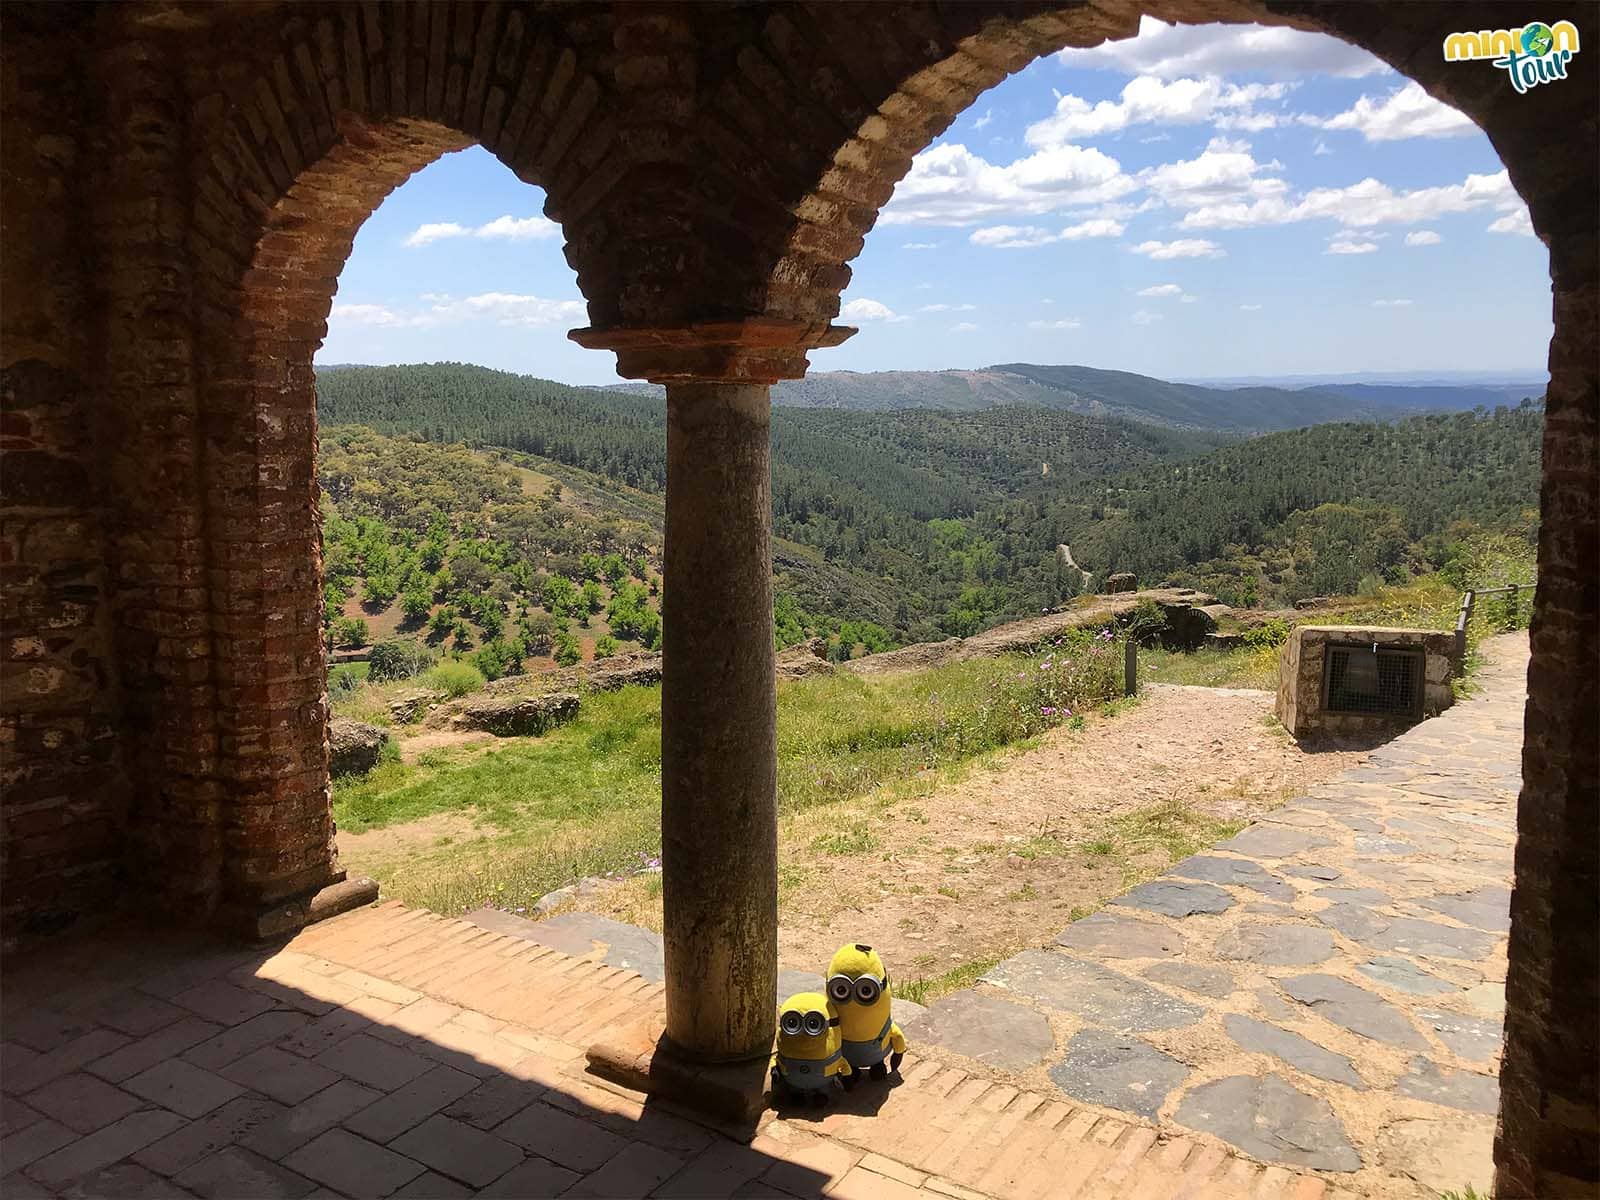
x=719, y=829
x=719, y=809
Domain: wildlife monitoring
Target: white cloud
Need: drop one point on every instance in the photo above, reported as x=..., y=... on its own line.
x=517, y=229
x=1249, y=308
x=988, y=115
x=1408, y=112
x=948, y=308
x=1321, y=150
x=1225, y=171
x=1423, y=237
x=1011, y=237
x=1350, y=246
x=1391, y=304
x=1182, y=248
x=1167, y=291
x=364, y=314
x=1151, y=101
x=437, y=231
x=1063, y=323
x=919, y=246
x=1514, y=222
x=503, y=308
x=510, y=308
x=1361, y=205
x=1174, y=50
x=1096, y=227
x=963, y=327
x=868, y=310
x=950, y=185
x=1145, y=317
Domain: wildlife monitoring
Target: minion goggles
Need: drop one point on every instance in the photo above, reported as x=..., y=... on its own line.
x=864, y=990
x=811, y=1024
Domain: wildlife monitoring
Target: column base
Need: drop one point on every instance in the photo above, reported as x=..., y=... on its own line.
x=291, y=916
x=639, y=1056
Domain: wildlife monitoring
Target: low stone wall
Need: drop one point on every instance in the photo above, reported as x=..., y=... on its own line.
x=1302, y=704
x=1186, y=628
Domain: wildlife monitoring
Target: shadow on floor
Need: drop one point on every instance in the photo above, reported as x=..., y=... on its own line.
x=141, y=1064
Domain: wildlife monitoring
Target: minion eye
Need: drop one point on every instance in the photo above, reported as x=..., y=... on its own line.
x=840, y=988
x=815, y=1023
x=866, y=989
x=791, y=1023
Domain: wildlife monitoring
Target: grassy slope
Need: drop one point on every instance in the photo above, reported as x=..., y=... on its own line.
x=585, y=799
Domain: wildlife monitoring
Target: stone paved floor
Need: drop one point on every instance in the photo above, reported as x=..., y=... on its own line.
x=393, y=1052
x=1324, y=990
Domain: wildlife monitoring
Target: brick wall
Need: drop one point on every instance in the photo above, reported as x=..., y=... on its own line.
x=65, y=797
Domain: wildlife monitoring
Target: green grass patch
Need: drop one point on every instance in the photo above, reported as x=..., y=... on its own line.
x=1249, y=667
x=585, y=799
x=1169, y=831
x=926, y=991
x=858, y=839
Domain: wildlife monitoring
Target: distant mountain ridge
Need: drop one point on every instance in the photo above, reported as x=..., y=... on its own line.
x=1092, y=391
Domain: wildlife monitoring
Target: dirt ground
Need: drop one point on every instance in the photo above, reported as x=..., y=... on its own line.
x=977, y=869
x=373, y=848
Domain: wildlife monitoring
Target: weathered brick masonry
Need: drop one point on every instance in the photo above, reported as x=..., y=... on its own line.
x=181, y=185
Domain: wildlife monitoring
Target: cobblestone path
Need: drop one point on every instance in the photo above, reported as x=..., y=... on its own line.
x=1323, y=991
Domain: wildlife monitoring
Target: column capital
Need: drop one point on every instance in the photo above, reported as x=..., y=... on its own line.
x=744, y=350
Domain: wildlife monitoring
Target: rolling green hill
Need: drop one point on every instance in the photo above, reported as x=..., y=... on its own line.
x=930, y=522
x=1093, y=392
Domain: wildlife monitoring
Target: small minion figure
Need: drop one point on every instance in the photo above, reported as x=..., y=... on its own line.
x=808, y=1058
x=858, y=987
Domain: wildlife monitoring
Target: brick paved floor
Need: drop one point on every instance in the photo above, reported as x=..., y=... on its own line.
x=393, y=1052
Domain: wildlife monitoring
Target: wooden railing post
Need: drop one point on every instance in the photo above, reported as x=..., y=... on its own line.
x=1461, y=631
x=1130, y=667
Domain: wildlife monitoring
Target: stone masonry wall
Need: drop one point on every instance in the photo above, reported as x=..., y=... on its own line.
x=64, y=795
x=1302, y=661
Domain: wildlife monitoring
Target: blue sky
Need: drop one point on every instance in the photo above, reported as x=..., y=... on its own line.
x=1197, y=201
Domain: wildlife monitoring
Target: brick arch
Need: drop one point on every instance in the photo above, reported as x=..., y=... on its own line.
x=937, y=63
x=290, y=150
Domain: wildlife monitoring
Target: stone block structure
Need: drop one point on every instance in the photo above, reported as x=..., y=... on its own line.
x=1411, y=682
x=179, y=187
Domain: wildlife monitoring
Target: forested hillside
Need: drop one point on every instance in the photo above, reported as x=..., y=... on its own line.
x=923, y=523
x=1310, y=512
x=475, y=552
x=1245, y=409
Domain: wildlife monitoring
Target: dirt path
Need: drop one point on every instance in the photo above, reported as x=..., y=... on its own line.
x=414, y=745
x=1004, y=859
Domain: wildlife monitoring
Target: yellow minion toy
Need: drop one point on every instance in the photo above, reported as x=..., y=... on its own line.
x=808, y=1058
x=858, y=987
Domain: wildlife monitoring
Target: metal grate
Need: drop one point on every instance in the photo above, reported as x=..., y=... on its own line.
x=1371, y=679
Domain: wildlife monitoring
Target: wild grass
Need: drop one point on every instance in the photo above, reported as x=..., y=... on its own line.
x=926, y=991
x=585, y=798
x=1427, y=602
x=1248, y=667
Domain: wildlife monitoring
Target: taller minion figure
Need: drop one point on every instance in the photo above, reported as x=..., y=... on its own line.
x=858, y=988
